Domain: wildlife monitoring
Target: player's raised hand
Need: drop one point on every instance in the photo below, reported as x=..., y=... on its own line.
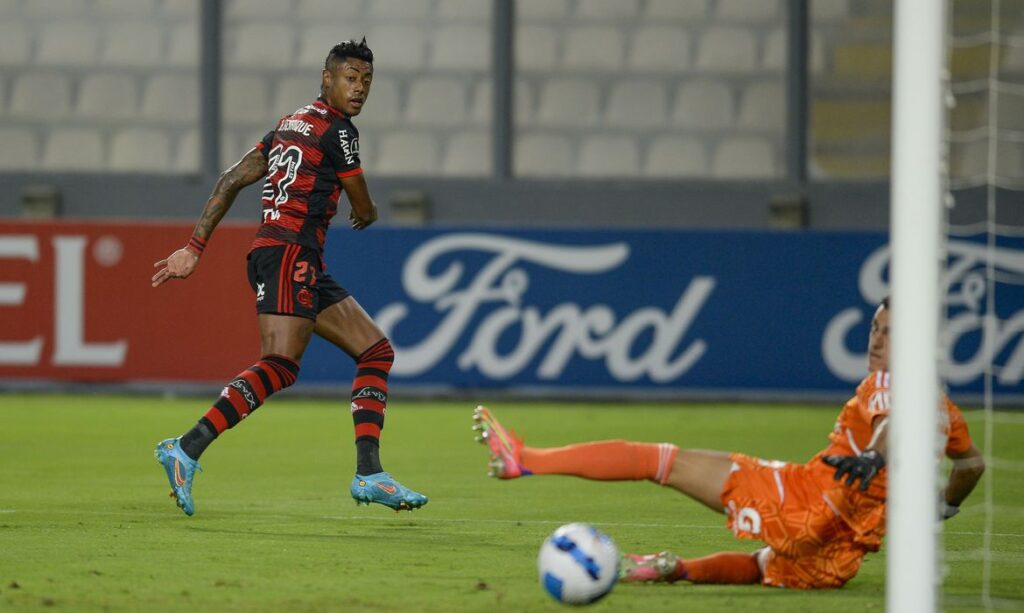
x=864, y=467
x=361, y=224
x=178, y=265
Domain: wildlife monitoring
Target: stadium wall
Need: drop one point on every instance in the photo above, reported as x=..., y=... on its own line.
x=530, y=312
x=521, y=202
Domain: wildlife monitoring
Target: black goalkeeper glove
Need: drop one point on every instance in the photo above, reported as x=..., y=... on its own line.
x=864, y=467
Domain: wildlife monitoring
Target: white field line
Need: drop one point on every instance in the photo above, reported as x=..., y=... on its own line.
x=450, y=520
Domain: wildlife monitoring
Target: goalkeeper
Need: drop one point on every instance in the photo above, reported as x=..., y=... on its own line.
x=818, y=519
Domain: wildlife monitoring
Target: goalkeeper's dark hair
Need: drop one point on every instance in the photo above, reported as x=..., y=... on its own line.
x=346, y=49
x=885, y=303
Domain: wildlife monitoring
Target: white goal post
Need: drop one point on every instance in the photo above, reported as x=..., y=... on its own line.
x=918, y=164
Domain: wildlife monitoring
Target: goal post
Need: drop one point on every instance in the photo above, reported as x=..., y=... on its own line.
x=918, y=163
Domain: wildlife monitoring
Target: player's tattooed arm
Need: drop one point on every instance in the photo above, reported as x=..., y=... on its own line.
x=251, y=168
x=364, y=211
x=182, y=263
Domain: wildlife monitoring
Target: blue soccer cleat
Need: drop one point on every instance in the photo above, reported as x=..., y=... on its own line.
x=383, y=489
x=180, y=470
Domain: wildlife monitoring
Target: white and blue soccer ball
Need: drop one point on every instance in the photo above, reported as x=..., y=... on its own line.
x=578, y=564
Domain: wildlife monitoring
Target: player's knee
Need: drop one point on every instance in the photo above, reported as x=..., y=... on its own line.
x=379, y=356
x=286, y=369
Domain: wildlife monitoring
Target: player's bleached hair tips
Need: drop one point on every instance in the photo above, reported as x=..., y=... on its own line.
x=347, y=49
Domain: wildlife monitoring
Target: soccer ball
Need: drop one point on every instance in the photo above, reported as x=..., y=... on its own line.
x=578, y=564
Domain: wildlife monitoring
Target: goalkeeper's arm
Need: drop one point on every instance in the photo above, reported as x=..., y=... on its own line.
x=967, y=470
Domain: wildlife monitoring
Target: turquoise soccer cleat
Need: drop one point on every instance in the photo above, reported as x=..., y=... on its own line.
x=180, y=469
x=383, y=489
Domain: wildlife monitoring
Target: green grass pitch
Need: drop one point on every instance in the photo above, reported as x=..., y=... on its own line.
x=86, y=523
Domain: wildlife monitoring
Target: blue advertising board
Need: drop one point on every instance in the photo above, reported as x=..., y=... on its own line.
x=687, y=312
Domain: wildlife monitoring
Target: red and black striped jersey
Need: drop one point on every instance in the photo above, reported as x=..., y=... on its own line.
x=308, y=154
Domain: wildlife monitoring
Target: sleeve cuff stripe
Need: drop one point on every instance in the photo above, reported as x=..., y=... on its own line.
x=350, y=173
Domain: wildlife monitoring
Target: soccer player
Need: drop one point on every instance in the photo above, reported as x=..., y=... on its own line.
x=818, y=519
x=308, y=159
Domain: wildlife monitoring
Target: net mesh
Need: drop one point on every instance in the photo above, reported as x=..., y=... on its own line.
x=985, y=271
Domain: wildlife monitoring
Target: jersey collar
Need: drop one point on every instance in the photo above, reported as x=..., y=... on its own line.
x=323, y=102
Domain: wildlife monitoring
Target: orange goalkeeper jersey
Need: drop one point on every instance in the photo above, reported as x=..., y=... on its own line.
x=864, y=512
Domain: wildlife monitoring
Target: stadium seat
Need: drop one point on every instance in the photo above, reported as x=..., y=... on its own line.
x=640, y=104
x=141, y=150
x=969, y=160
x=384, y=106
x=316, y=42
x=762, y=11
x=180, y=8
x=464, y=10
x=245, y=99
x=183, y=48
x=676, y=10
x=468, y=155
x=38, y=90
x=107, y=96
x=20, y=150
x=291, y=93
x=268, y=10
x=171, y=98
x=436, y=101
x=482, y=105
x=323, y=10
x=536, y=48
x=394, y=10
x=541, y=10
x=398, y=47
x=187, y=154
x=51, y=8
x=461, y=47
x=607, y=10
x=10, y=7
x=568, y=102
x=260, y=45
x=593, y=47
x=133, y=44
x=73, y=149
x=659, y=48
x=542, y=155
x=742, y=157
x=727, y=50
x=609, y=156
x=15, y=44
x=773, y=57
x=829, y=11
x=125, y=8
x=763, y=107
x=408, y=153
x=73, y=43
x=703, y=104
x=673, y=156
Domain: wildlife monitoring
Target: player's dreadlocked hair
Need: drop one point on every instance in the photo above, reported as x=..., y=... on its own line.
x=348, y=48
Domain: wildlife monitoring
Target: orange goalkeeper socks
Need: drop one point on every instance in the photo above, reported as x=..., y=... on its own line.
x=729, y=567
x=604, y=460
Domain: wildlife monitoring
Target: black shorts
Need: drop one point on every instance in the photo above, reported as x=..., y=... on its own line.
x=290, y=280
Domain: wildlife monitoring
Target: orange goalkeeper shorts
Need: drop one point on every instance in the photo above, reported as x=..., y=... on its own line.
x=782, y=505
